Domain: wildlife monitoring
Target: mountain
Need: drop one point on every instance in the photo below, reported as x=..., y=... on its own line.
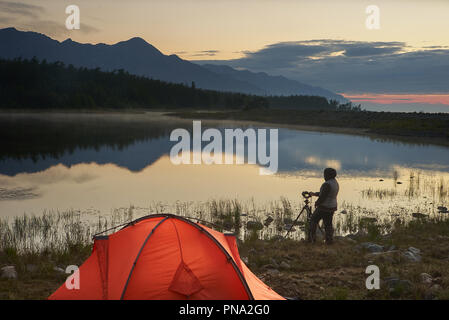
x=141, y=58
x=273, y=85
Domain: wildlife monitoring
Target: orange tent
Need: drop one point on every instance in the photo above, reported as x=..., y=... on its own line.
x=166, y=257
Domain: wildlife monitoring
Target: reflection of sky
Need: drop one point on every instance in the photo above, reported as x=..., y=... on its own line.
x=298, y=151
x=310, y=150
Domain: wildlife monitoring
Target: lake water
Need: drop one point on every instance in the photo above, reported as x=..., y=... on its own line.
x=98, y=163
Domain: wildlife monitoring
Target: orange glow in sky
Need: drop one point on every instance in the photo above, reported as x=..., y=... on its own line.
x=398, y=98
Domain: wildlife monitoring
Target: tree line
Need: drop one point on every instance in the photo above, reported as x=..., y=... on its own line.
x=33, y=84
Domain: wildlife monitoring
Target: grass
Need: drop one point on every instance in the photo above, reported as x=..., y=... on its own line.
x=338, y=272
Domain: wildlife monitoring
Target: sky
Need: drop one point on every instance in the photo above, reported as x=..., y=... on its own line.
x=323, y=42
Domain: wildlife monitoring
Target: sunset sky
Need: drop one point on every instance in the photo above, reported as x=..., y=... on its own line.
x=323, y=43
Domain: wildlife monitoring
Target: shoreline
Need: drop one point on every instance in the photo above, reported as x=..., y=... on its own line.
x=362, y=132
x=205, y=115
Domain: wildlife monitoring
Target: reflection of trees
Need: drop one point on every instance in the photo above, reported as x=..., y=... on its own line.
x=38, y=137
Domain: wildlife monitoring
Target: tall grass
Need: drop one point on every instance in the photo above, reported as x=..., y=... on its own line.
x=57, y=231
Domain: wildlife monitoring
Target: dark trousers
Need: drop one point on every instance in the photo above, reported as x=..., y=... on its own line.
x=327, y=219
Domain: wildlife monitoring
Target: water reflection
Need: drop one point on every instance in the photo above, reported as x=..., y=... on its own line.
x=111, y=161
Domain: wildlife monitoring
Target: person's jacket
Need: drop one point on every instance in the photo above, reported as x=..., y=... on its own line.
x=327, y=200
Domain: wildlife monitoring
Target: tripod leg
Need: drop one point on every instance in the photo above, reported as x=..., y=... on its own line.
x=293, y=223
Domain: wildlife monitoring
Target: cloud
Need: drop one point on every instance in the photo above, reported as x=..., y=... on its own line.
x=353, y=66
x=205, y=53
x=21, y=9
x=27, y=16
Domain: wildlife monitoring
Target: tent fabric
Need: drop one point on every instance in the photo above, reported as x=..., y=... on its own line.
x=166, y=257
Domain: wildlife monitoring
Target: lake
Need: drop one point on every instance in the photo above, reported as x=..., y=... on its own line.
x=101, y=164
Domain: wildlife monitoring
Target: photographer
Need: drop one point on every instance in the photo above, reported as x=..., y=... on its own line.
x=326, y=205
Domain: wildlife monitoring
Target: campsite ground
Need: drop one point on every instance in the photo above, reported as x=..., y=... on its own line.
x=293, y=269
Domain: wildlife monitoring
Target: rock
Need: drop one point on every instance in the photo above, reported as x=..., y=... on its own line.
x=426, y=278
x=411, y=256
x=358, y=235
x=285, y=265
x=344, y=212
x=419, y=215
x=245, y=260
x=31, y=268
x=392, y=248
x=372, y=247
x=414, y=250
x=268, y=221
x=273, y=272
x=254, y=225
x=442, y=209
x=58, y=269
x=274, y=263
x=8, y=272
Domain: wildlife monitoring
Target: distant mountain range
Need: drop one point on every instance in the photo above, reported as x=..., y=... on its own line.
x=141, y=58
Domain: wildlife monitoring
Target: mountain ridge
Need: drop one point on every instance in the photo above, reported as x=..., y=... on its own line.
x=139, y=57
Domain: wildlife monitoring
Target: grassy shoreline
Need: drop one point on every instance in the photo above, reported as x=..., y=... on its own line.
x=417, y=128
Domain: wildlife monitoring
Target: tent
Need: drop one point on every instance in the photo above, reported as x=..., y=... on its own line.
x=166, y=257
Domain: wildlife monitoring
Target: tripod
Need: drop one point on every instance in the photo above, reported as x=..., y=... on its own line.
x=306, y=208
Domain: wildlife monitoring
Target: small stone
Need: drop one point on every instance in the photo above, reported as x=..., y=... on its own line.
x=285, y=265
x=411, y=256
x=245, y=259
x=426, y=278
x=414, y=250
x=58, y=269
x=8, y=272
x=268, y=221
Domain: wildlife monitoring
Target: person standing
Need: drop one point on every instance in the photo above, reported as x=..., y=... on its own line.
x=326, y=205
